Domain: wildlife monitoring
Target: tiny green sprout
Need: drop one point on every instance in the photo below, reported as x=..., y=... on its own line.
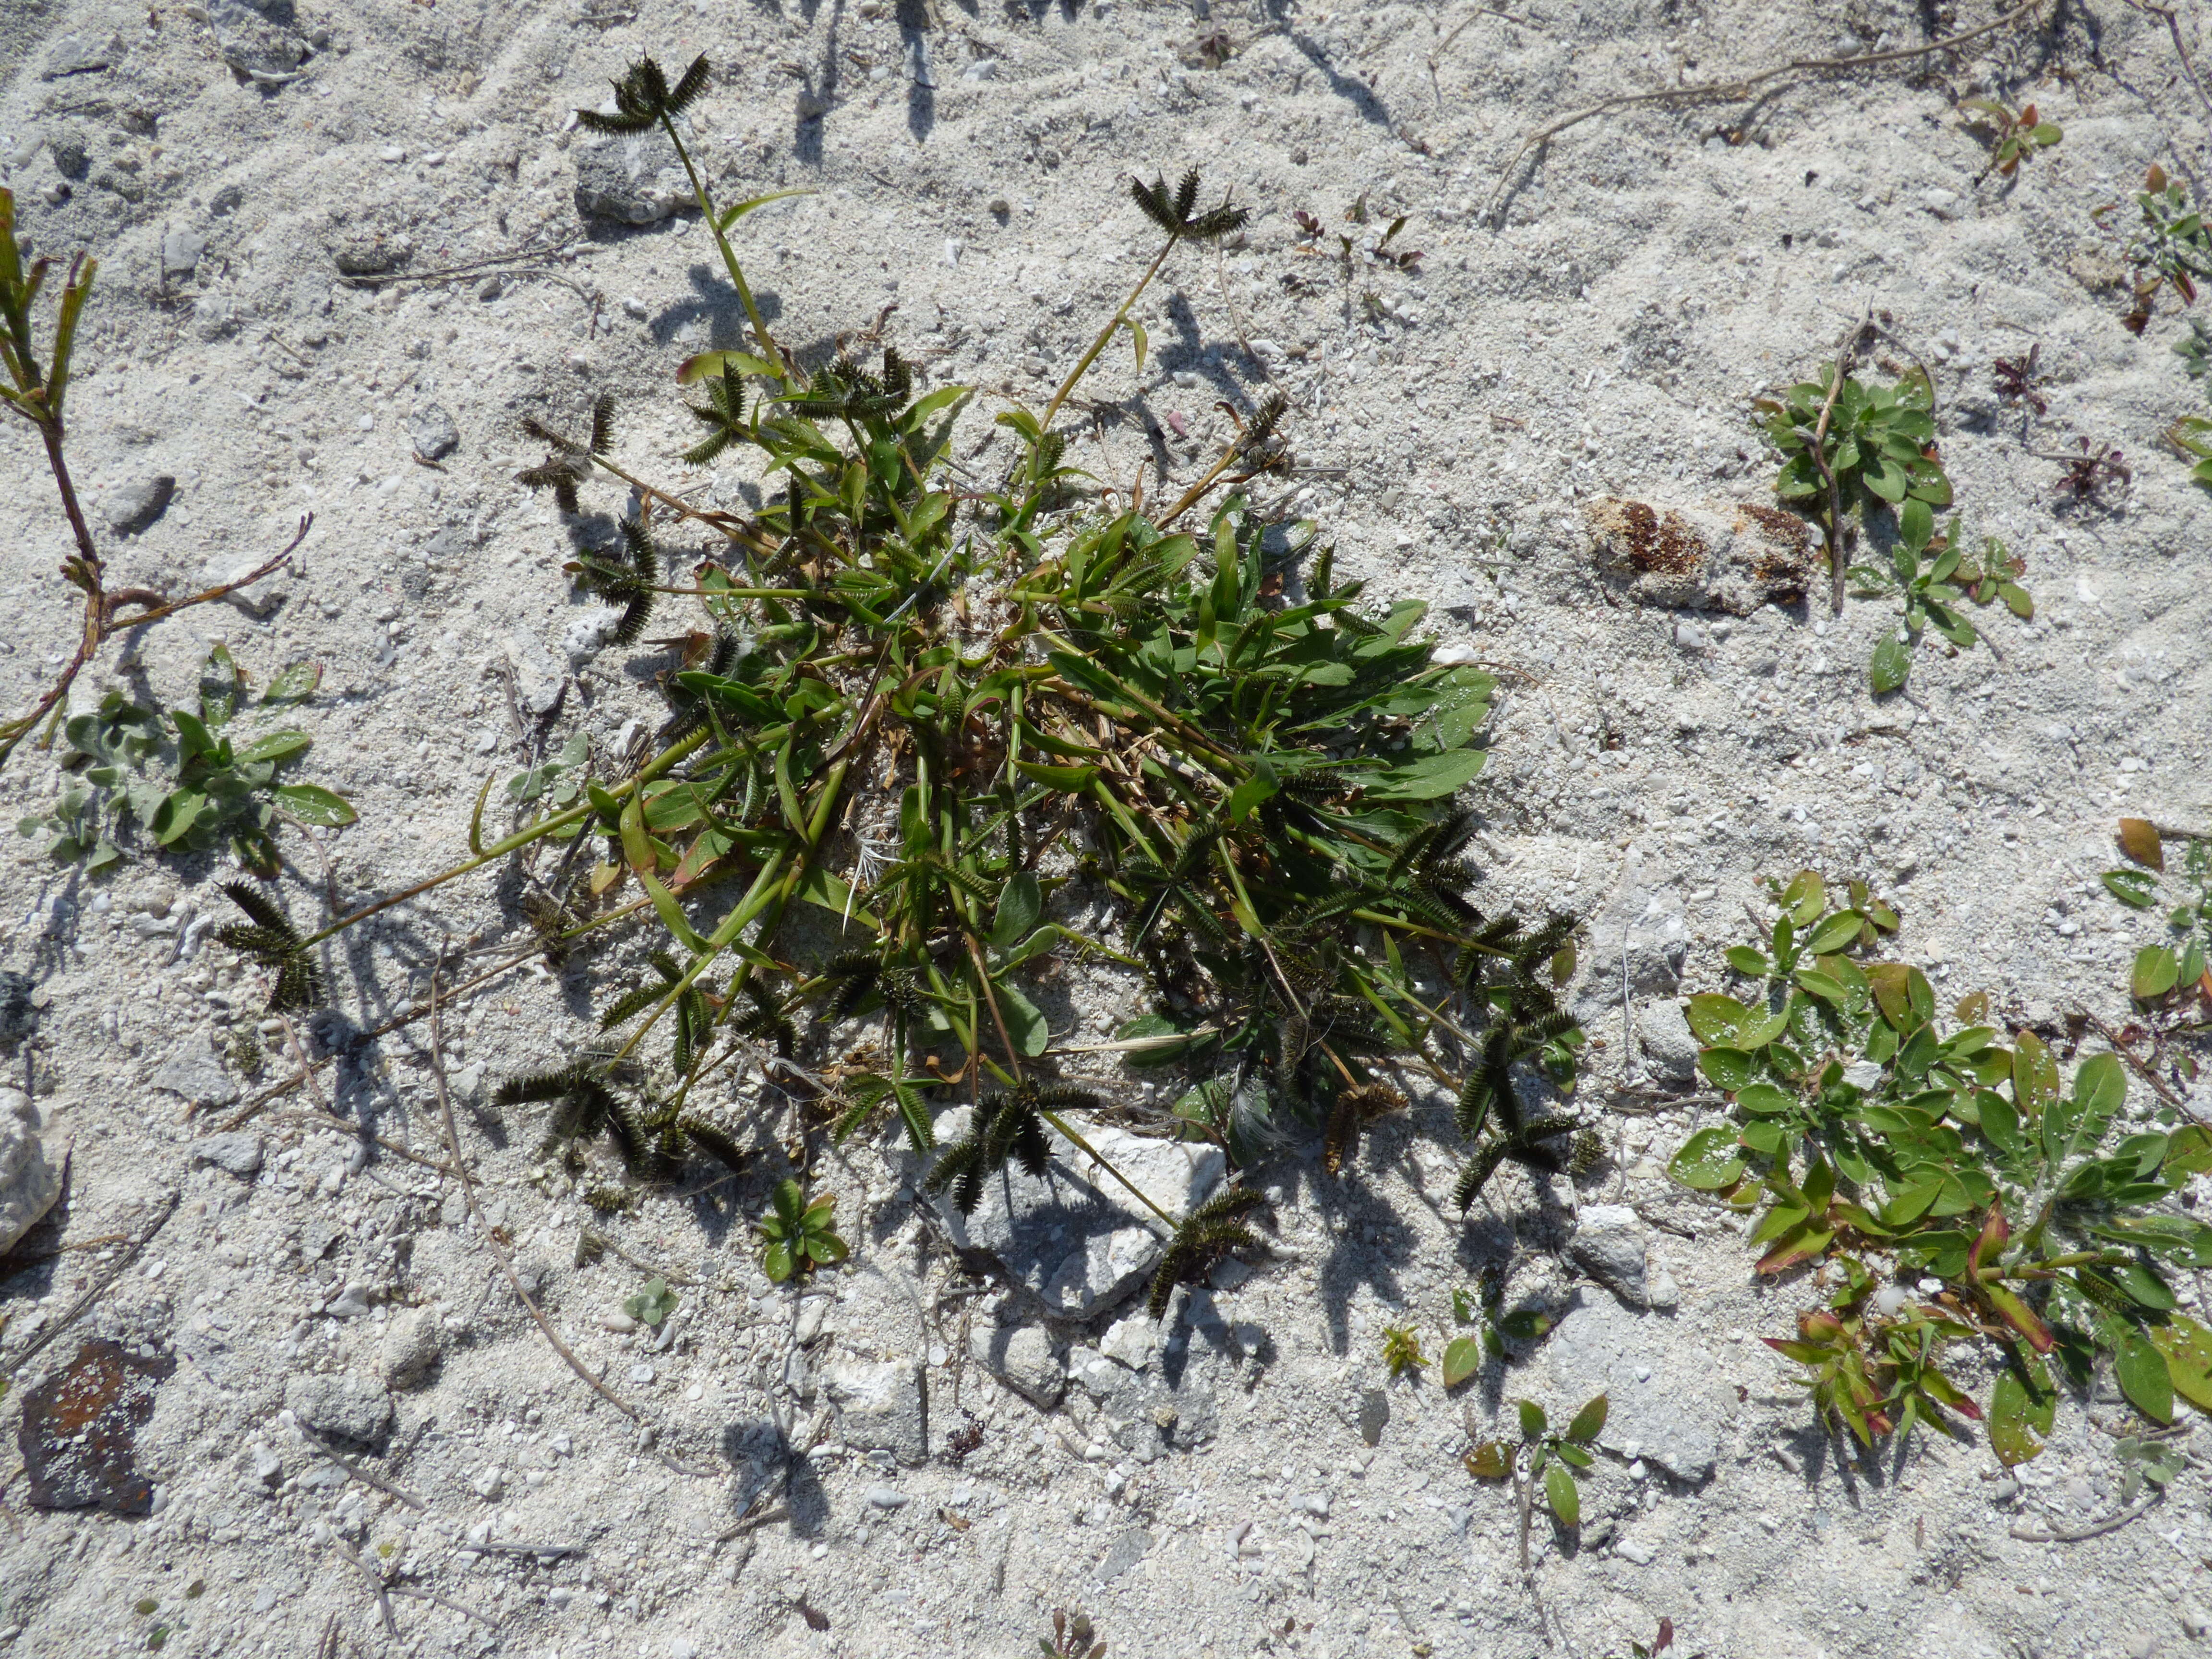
x=2170, y=245
x=2192, y=438
x=798, y=1233
x=197, y=1587
x=1546, y=1459
x=157, y=1638
x=143, y=1605
x=1072, y=1637
x=1402, y=1350
x=653, y=1303
x=1465, y=1355
x=1935, y=580
x=2015, y=135
x=2143, y=1459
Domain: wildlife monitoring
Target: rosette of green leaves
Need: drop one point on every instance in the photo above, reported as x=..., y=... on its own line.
x=1868, y=1123
x=2166, y=976
x=1875, y=445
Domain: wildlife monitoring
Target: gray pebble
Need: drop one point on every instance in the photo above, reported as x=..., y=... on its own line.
x=133, y=507
x=345, y=1408
x=886, y=1498
x=238, y=1152
x=81, y=54
x=182, y=253
x=433, y=433
x=29, y=1183
x=409, y=1353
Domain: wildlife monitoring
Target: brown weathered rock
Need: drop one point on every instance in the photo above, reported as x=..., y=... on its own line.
x=80, y=1430
x=1735, y=558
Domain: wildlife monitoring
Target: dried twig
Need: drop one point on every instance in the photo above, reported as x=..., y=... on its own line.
x=526, y=1549
x=1723, y=92
x=1818, y=449
x=2165, y=15
x=367, y=1478
x=465, y=268
x=278, y=1091
x=77, y=1309
x=752, y=1522
x=484, y=1226
x=2092, y=1529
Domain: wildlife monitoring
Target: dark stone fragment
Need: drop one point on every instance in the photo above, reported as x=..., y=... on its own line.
x=80, y=1430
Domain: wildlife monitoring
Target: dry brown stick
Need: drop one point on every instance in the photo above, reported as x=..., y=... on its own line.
x=131, y=1253
x=2165, y=13
x=325, y=1120
x=2092, y=1529
x=277, y=1091
x=1736, y=91
x=751, y=1522
x=367, y=1478
x=1817, y=449
x=477, y=1214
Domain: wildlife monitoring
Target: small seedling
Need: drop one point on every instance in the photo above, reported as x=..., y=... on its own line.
x=2014, y=136
x=2167, y=977
x=1851, y=448
x=1658, y=1644
x=1465, y=1355
x=2144, y=1460
x=2170, y=245
x=1072, y=1637
x=1402, y=1350
x=1935, y=586
x=2090, y=470
x=558, y=782
x=799, y=1235
x=1546, y=1458
x=2191, y=437
x=1869, y=1130
x=175, y=780
x=652, y=1305
x=2018, y=378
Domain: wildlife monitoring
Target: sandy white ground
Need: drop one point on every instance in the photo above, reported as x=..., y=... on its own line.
x=1649, y=277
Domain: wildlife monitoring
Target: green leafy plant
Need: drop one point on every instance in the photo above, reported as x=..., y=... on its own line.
x=2171, y=981
x=1851, y=448
x=798, y=1233
x=559, y=782
x=652, y=1305
x=2013, y=135
x=950, y=712
x=37, y=387
x=1878, y=1381
x=1402, y=1350
x=1546, y=1459
x=2196, y=354
x=1484, y=1307
x=1936, y=580
x=1870, y=1129
x=177, y=780
x=2191, y=437
x=2170, y=245
x=1072, y=1637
